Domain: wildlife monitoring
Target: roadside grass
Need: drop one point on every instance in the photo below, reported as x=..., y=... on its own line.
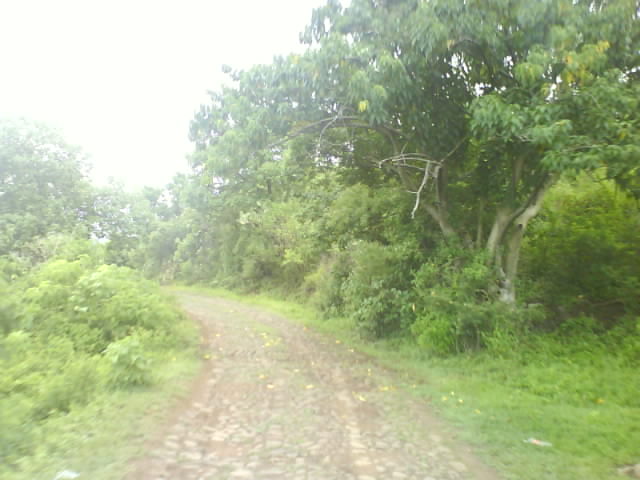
x=99, y=439
x=582, y=398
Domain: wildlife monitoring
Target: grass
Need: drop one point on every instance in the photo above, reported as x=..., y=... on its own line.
x=98, y=440
x=582, y=398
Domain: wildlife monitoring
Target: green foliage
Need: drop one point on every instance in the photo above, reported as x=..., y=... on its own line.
x=130, y=366
x=40, y=379
x=583, y=252
x=476, y=109
x=123, y=221
x=628, y=335
x=457, y=309
x=377, y=292
x=72, y=330
x=302, y=167
x=92, y=306
x=8, y=307
x=326, y=285
x=43, y=184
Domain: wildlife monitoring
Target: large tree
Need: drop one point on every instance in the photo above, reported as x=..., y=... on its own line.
x=477, y=106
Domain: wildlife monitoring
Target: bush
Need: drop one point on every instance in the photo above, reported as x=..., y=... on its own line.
x=630, y=348
x=377, y=292
x=584, y=252
x=50, y=375
x=117, y=301
x=71, y=330
x=326, y=284
x=8, y=307
x=17, y=431
x=130, y=366
x=456, y=309
x=94, y=307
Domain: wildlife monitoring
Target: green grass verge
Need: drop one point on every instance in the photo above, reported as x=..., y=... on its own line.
x=584, y=400
x=99, y=439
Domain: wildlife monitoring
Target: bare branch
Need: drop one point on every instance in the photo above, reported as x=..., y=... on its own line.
x=425, y=179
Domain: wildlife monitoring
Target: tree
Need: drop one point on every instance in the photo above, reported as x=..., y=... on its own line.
x=477, y=107
x=43, y=185
x=124, y=220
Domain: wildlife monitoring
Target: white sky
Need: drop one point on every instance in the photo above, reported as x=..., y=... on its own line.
x=123, y=78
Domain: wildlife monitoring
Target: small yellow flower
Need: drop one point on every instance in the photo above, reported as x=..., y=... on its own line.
x=600, y=401
x=444, y=399
x=309, y=387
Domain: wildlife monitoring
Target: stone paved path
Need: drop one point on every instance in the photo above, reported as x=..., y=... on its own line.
x=277, y=401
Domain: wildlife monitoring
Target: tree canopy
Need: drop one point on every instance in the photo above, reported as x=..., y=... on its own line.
x=476, y=107
x=43, y=185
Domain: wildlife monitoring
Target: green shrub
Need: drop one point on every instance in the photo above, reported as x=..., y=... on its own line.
x=50, y=375
x=456, y=308
x=130, y=365
x=325, y=286
x=377, y=292
x=94, y=307
x=17, y=431
x=116, y=301
x=70, y=331
x=76, y=385
x=584, y=252
x=8, y=309
x=630, y=348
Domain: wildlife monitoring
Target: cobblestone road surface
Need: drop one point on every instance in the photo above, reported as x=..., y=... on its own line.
x=277, y=401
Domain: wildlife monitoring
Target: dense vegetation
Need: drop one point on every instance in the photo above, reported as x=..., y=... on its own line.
x=463, y=174
x=75, y=327
x=461, y=177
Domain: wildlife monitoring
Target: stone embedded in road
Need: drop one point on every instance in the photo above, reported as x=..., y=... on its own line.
x=242, y=474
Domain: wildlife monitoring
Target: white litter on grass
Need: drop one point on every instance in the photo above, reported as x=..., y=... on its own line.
x=66, y=474
x=535, y=441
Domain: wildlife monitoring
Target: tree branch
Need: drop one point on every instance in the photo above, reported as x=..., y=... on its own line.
x=346, y=121
x=425, y=179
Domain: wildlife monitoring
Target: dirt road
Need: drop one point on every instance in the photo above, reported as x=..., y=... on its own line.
x=277, y=401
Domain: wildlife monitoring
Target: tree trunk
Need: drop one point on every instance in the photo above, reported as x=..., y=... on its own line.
x=439, y=216
x=480, y=224
x=500, y=225
x=514, y=243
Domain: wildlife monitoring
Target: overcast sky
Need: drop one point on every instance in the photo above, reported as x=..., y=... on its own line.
x=122, y=78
